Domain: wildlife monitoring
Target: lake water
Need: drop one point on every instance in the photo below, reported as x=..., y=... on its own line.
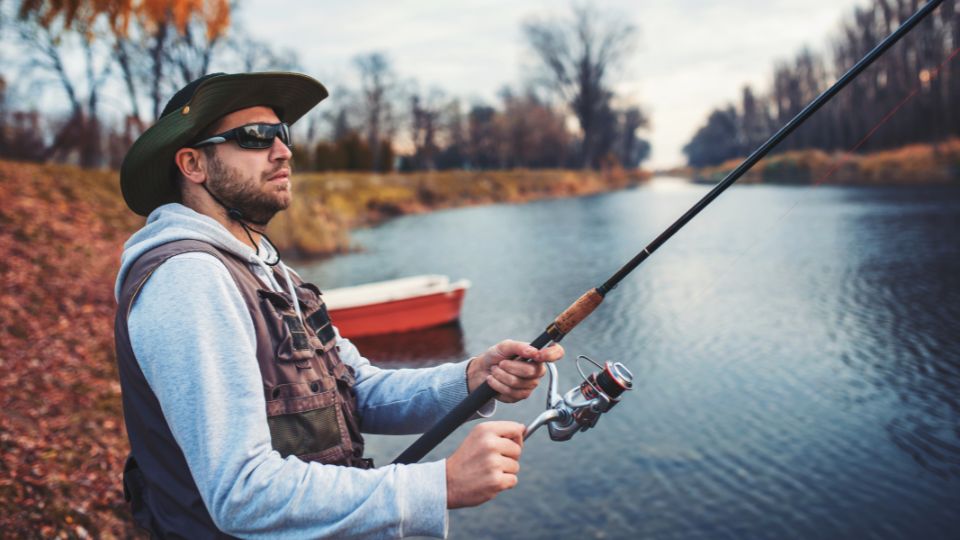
x=796, y=353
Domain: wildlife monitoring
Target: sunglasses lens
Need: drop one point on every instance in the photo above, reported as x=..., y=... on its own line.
x=262, y=135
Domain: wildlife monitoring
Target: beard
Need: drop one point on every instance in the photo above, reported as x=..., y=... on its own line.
x=255, y=198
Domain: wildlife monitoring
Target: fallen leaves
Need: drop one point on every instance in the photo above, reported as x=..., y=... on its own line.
x=61, y=433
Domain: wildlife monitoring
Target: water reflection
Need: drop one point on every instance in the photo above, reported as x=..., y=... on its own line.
x=901, y=313
x=419, y=348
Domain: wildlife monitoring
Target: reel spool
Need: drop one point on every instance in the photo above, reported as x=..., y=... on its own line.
x=580, y=408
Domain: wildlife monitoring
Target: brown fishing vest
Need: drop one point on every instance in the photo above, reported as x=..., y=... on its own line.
x=311, y=408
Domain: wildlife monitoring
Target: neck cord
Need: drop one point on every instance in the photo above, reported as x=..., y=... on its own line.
x=236, y=215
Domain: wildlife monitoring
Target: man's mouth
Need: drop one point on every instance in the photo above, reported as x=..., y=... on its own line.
x=282, y=174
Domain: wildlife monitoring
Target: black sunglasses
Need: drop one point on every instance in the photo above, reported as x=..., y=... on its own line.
x=253, y=136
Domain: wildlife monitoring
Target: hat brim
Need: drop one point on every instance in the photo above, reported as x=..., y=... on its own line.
x=146, y=175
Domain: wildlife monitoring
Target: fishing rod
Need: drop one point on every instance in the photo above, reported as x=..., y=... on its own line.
x=589, y=301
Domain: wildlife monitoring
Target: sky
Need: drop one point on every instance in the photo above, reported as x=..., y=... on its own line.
x=691, y=55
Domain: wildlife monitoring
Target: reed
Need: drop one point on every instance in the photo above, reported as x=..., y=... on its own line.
x=927, y=163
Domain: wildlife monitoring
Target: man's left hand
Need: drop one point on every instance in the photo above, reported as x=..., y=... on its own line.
x=512, y=379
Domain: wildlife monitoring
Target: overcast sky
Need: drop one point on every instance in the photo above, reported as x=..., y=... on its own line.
x=692, y=55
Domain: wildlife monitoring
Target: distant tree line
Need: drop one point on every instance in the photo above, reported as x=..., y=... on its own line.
x=567, y=114
x=575, y=57
x=932, y=114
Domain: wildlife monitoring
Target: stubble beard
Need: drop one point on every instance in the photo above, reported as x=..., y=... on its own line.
x=248, y=195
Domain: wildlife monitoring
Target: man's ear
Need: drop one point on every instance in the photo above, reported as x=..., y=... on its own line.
x=192, y=164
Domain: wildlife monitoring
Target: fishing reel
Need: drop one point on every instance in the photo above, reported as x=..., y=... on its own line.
x=580, y=408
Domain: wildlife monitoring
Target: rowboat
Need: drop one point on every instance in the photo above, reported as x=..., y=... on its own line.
x=396, y=305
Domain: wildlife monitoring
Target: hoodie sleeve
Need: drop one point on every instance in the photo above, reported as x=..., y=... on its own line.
x=195, y=343
x=406, y=401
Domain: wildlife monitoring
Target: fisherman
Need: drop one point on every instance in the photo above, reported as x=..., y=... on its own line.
x=243, y=404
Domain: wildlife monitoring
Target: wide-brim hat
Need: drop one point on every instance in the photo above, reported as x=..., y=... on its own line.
x=147, y=172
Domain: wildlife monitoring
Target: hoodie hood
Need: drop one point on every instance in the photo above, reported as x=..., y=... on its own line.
x=172, y=222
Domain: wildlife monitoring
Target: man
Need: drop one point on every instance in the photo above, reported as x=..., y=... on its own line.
x=243, y=405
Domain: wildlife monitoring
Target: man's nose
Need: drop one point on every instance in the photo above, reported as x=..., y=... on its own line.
x=280, y=151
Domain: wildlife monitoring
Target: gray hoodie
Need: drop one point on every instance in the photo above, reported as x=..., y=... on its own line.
x=195, y=343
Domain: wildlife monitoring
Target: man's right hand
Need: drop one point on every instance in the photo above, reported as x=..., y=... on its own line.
x=485, y=464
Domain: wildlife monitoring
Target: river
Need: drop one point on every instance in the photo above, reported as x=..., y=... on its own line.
x=796, y=353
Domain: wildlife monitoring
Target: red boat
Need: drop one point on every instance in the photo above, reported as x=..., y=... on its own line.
x=397, y=305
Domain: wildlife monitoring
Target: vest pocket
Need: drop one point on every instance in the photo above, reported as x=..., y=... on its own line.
x=288, y=332
x=306, y=420
x=305, y=433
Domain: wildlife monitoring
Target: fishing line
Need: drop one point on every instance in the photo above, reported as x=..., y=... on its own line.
x=710, y=288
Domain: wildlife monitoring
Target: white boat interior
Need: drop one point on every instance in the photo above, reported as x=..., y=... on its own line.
x=391, y=290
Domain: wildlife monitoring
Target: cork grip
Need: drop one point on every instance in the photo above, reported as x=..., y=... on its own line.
x=578, y=311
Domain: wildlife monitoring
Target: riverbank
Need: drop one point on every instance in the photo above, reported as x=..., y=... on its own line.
x=328, y=205
x=933, y=163
x=61, y=231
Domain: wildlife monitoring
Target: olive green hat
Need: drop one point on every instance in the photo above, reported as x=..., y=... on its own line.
x=147, y=172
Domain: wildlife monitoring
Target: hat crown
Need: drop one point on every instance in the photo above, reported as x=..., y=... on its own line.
x=183, y=96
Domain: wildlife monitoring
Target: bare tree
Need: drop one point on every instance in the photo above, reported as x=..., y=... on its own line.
x=425, y=126
x=631, y=149
x=530, y=133
x=482, y=137
x=378, y=85
x=48, y=44
x=160, y=46
x=576, y=58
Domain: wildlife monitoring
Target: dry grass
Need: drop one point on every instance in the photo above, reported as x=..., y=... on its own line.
x=327, y=205
x=936, y=163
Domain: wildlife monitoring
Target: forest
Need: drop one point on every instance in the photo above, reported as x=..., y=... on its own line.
x=913, y=79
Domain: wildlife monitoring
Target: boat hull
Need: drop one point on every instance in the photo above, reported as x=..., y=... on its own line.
x=401, y=315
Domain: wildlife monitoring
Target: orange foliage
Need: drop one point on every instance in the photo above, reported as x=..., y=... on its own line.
x=79, y=14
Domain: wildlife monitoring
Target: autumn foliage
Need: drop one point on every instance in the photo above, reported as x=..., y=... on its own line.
x=82, y=14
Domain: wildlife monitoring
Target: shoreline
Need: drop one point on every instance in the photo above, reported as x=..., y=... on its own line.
x=327, y=206
x=911, y=165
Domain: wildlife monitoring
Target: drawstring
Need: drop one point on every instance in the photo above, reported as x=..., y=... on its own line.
x=293, y=292
x=276, y=284
x=276, y=252
x=272, y=281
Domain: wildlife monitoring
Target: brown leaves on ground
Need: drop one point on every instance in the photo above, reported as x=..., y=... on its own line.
x=61, y=432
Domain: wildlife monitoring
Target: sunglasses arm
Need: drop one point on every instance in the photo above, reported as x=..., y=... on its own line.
x=212, y=140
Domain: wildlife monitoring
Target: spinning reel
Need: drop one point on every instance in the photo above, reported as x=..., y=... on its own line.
x=580, y=408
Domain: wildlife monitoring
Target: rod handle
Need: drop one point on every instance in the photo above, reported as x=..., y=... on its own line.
x=577, y=312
